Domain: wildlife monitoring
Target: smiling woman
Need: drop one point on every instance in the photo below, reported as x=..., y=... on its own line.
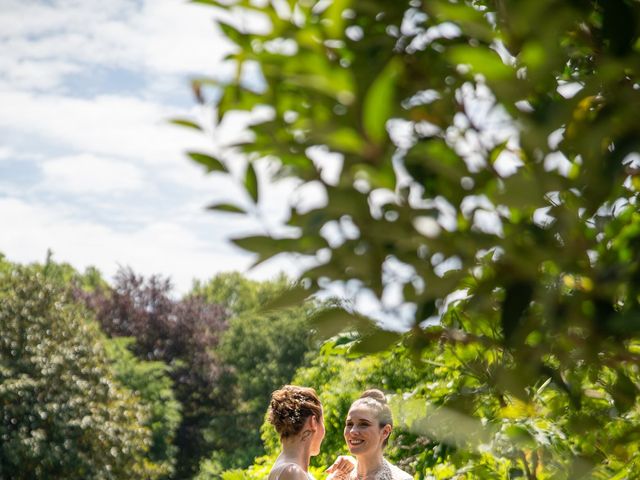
x=367, y=429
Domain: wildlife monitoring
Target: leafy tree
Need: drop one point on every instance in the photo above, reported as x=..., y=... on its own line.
x=489, y=152
x=151, y=382
x=261, y=350
x=63, y=273
x=5, y=265
x=237, y=293
x=180, y=333
x=63, y=414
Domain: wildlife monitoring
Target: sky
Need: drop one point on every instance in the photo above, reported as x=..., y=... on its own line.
x=90, y=166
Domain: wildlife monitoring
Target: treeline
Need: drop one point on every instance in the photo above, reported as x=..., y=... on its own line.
x=124, y=380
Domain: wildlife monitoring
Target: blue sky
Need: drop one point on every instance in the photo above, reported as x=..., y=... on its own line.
x=89, y=166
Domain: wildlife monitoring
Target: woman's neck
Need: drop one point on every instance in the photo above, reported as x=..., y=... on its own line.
x=295, y=451
x=369, y=464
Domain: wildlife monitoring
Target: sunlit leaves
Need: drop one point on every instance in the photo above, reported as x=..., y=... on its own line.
x=491, y=148
x=380, y=101
x=331, y=321
x=481, y=60
x=63, y=412
x=288, y=297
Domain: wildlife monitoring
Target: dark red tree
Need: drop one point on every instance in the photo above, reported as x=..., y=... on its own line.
x=182, y=333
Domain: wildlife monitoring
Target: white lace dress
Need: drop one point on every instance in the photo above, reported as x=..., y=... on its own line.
x=387, y=472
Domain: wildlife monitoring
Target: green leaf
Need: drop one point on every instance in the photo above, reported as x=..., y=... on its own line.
x=346, y=140
x=331, y=321
x=482, y=60
x=520, y=435
x=496, y=151
x=225, y=207
x=232, y=33
x=206, y=2
x=516, y=301
x=185, y=123
x=290, y=297
x=471, y=19
x=212, y=164
x=624, y=392
x=377, y=341
x=251, y=182
x=263, y=245
x=379, y=101
x=267, y=247
x=334, y=18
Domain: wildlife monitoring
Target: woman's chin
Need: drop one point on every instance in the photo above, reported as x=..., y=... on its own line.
x=354, y=450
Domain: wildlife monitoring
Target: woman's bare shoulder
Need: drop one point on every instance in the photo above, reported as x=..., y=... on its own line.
x=289, y=471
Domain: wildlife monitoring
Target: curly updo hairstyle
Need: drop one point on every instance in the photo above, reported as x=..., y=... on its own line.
x=291, y=406
x=376, y=401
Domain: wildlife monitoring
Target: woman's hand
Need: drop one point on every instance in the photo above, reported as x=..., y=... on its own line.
x=341, y=468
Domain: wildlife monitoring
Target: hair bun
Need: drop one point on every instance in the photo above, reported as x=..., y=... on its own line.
x=290, y=406
x=375, y=394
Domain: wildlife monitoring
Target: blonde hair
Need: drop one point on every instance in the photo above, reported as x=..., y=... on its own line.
x=290, y=407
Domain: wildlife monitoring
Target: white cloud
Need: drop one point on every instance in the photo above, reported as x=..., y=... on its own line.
x=38, y=74
x=158, y=247
x=88, y=174
x=5, y=153
x=86, y=89
x=48, y=41
x=109, y=125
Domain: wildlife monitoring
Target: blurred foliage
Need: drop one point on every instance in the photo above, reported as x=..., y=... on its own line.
x=489, y=169
x=63, y=414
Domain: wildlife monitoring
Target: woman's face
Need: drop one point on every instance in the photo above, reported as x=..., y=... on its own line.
x=318, y=435
x=362, y=431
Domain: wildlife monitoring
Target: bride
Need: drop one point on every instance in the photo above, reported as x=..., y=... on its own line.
x=367, y=429
x=296, y=414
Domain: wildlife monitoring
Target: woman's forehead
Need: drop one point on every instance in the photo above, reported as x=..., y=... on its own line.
x=362, y=412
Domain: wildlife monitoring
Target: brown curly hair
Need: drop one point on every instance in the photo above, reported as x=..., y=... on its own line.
x=290, y=407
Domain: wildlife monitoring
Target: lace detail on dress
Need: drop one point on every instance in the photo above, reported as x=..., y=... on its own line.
x=385, y=473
